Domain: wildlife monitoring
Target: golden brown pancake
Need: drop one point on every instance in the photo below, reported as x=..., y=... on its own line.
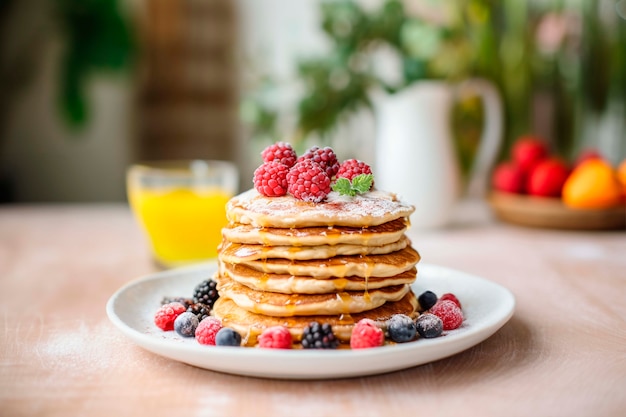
x=290, y=284
x=237, y=252
x=278, y=304
x=251, y=325
x=381, y=234
x=342, y=266
x=368, y=209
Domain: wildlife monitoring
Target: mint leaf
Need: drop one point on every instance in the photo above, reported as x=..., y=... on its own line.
x=360, y=184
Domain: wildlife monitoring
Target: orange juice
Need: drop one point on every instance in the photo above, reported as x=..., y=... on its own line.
x=183, y=225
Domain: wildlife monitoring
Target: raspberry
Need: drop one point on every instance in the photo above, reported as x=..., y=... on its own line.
x=227, y=337
x=401, y=328
x=352, y=167
x=449, y=313
x=186, y=324
x=366, y=334
x=308, y=181
x=207, y=330
x=451, y=297
x=270, y=179
x=426, y=300
x=429, y=326
x=276, y=337
x=325, y=157
x=319, y=336
x=166, y=315
x=280, y=152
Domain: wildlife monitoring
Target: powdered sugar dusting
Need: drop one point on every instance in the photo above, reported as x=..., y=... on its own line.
x=369, y=209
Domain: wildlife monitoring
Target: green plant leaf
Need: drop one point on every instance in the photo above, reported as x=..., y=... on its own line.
x=360, y=184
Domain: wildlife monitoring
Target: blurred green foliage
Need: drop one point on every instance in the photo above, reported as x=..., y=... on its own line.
x=98, y=38
x=570, y=54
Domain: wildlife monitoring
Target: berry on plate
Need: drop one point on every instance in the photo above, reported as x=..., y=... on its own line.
x=275, y=337
x=186, y=324
x=451, y=297
x=207, y=330
x=319, y=336
x=366, y=334
x=270, y=179
x=426, y=300
x=206, y=292
x=449, y=313
x=429, y=326
x=227, y=337
x=166, y=315
x=401, y=328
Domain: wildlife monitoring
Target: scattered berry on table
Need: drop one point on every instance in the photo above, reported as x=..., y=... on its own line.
x=366, y=334
x=186, y=324
x=426, y=300
x=207, y=330
x=319, y=336
x=324, y=157
x=275, y=337
x=280, y=152
x=183, y=300
x=206, y=292
x=449, y=313
x=401, y=328
x=270, y=179
x=451, y=297
x=202, y=311
x=429, y=326
x=308, y=181
x=227, y=337
x=166, y=315
x=350, y=168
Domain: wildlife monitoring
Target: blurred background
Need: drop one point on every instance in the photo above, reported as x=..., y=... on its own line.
x=91, y=86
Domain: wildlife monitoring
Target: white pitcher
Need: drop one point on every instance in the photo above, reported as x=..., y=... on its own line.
x=415, y=155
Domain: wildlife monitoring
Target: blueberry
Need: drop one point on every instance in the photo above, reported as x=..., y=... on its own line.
x=401, y=328
x=426, y=300
x=227, y=337
x=185, y=324
x=429, y=326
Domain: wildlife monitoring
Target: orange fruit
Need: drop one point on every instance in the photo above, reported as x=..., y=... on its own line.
x=593, y=185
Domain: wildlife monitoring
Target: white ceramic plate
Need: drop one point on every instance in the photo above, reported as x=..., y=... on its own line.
x=487, y=307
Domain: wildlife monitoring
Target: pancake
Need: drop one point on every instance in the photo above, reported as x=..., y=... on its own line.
x=285, y=305
x=289, y=284
x=378, y=235
x=251, y=325
x=363, y=210
x=237, y=252
x=342, y=266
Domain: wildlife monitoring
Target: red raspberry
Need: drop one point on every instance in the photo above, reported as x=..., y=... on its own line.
x=270, y=179
x=451, y=297
x=350, y=168
x=281, y=152
x=276, y=337
x=366, y=334
x=325, y=157
x=308, y=181
x=166, y=315
x=207, y=329
x=449, y=313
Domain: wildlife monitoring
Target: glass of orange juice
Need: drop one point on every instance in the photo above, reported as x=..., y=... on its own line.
x=181, y=206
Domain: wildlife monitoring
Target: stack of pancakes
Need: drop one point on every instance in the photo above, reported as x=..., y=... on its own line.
x=286, y=262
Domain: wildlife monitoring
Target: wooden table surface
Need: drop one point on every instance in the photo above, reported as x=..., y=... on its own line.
x=562, y=354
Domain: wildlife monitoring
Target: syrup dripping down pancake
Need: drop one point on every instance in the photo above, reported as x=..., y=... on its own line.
x=289, y=284
x=284, y=305
x=363, y=210
x=251, y=325
x=379, y=235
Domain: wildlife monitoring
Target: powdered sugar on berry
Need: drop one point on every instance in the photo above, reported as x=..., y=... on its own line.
x=369, y=209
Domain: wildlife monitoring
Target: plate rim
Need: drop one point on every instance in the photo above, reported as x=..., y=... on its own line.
x=466, y=339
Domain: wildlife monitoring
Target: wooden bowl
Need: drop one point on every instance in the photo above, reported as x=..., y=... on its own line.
x=552, y=213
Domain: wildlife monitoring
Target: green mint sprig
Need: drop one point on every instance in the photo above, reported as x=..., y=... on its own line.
x=360, y=184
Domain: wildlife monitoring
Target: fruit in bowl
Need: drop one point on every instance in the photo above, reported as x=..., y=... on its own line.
x=535, y=187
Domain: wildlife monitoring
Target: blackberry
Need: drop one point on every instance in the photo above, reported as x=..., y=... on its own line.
x=201, y=311
x=426, y=300
x=183, y=300
x=401, y=328
x=319, y=336
x=206, y=292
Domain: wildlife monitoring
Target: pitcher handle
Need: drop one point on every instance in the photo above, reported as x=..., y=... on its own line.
x=491, y=138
